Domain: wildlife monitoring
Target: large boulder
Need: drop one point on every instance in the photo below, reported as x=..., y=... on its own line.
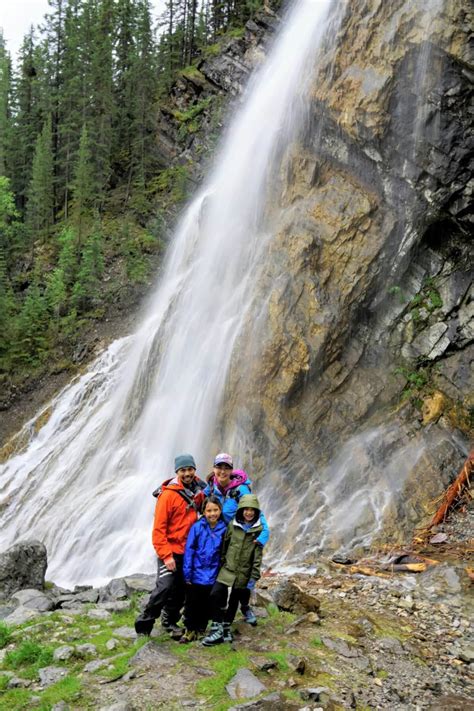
x=291, y=598
x=22, y=566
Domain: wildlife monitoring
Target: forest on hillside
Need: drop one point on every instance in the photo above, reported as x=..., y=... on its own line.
x=84, y=195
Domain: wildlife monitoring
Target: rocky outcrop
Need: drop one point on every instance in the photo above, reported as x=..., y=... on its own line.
x=22, y=566
x=367, y=339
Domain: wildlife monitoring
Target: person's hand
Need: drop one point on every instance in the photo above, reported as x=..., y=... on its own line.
x=251, y=584
x=258, y=543
x=170, y=564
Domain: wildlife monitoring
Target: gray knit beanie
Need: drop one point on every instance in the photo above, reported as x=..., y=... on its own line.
x=184, y=460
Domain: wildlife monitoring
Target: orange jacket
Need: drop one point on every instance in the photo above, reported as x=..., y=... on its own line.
x=173, y=519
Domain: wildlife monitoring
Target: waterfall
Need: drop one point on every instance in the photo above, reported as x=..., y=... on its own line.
x=83, y=484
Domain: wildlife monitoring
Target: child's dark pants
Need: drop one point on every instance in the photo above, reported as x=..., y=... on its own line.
x=223, y=611
x=197, y=607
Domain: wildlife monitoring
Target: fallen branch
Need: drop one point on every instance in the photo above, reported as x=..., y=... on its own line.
x=454, y=491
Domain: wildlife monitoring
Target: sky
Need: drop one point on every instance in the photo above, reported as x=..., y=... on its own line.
x=16, y=17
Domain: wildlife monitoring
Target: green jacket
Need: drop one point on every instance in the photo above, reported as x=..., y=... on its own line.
x=242, y=557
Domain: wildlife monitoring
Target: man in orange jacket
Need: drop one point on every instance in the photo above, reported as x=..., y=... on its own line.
x=177, y=507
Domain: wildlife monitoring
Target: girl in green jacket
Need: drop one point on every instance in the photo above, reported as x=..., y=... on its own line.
x=240, y=570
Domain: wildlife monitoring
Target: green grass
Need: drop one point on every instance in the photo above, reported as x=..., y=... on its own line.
x=316, y=642
x=15, y=700
x=29, y=654
x=5, y=635
x=120, y=665
x=225, y=663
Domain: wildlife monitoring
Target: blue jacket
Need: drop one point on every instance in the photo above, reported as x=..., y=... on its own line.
x=240, y=485
x=202, y=555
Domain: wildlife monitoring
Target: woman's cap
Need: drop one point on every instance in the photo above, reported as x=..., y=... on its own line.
x=223, y=458
x=184, y=460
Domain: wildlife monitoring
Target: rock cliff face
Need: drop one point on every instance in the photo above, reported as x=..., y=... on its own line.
x=361, y=387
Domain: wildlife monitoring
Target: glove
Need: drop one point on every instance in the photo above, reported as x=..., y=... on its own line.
x=251, y=584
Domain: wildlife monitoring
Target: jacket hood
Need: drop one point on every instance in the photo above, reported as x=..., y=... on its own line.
x=248, y=501
x=237, y=478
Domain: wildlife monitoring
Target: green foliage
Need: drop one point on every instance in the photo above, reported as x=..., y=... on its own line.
x=5, y=634
x=68, y=256
x=32, y=326
x=416, y=383
x=67, y=689
x=29, y=653
x=85, y=293
x=193, y=111
x=56, y=292
x=397, y=291
x=40, y=209
x=225, y=664
x=425, y=302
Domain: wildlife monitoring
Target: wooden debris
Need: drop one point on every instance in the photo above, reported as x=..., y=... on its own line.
x=454, y=491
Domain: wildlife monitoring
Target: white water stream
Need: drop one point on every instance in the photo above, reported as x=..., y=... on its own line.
x=83, y=484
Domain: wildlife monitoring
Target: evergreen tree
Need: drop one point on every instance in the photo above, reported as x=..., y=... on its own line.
x=83, y=187
x=102, y=103
x=10, y=227
x=7, y=315
x=87, y=287
x=5, y=88
x=32, y=326
x=40, y=208
x=143, y=124
x=68, y=256
x=29, y=115
x=56, y=292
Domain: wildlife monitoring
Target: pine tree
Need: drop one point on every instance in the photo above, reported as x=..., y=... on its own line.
x=56, y=292
x=7, y=315
x=5, y=115
x=40, y=208
x=102, y=103
x=143, y=100
x=32, y=327
x=10, y=228
x=68, y=256
x=83, y=188
x=29, y=101
x=87, y=287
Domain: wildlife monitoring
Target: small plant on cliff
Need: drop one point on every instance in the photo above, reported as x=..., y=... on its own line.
x=396, y=291
x=416, y=382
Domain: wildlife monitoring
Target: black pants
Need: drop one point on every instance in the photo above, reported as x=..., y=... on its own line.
x=197, y=607
x=223, y=610
x=168, y=596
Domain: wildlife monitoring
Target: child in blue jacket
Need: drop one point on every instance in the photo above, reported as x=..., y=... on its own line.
x=202, y=558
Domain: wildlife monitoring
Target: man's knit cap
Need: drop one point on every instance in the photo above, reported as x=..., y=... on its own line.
x=184, y=460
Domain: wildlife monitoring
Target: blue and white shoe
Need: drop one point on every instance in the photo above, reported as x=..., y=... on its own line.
x=249, y=617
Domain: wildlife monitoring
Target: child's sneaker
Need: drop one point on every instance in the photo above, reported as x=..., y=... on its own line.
x=215, y=636
x=188, y=636
x=226, y=632
x=249, y=616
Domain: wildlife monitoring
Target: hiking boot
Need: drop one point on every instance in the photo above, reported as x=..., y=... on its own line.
x=174, y=631
x=188, y=636
x=249, y=616
x=215, y=636
x=226, y=632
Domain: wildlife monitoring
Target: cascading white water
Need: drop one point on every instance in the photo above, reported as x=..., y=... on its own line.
x=83, y=484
